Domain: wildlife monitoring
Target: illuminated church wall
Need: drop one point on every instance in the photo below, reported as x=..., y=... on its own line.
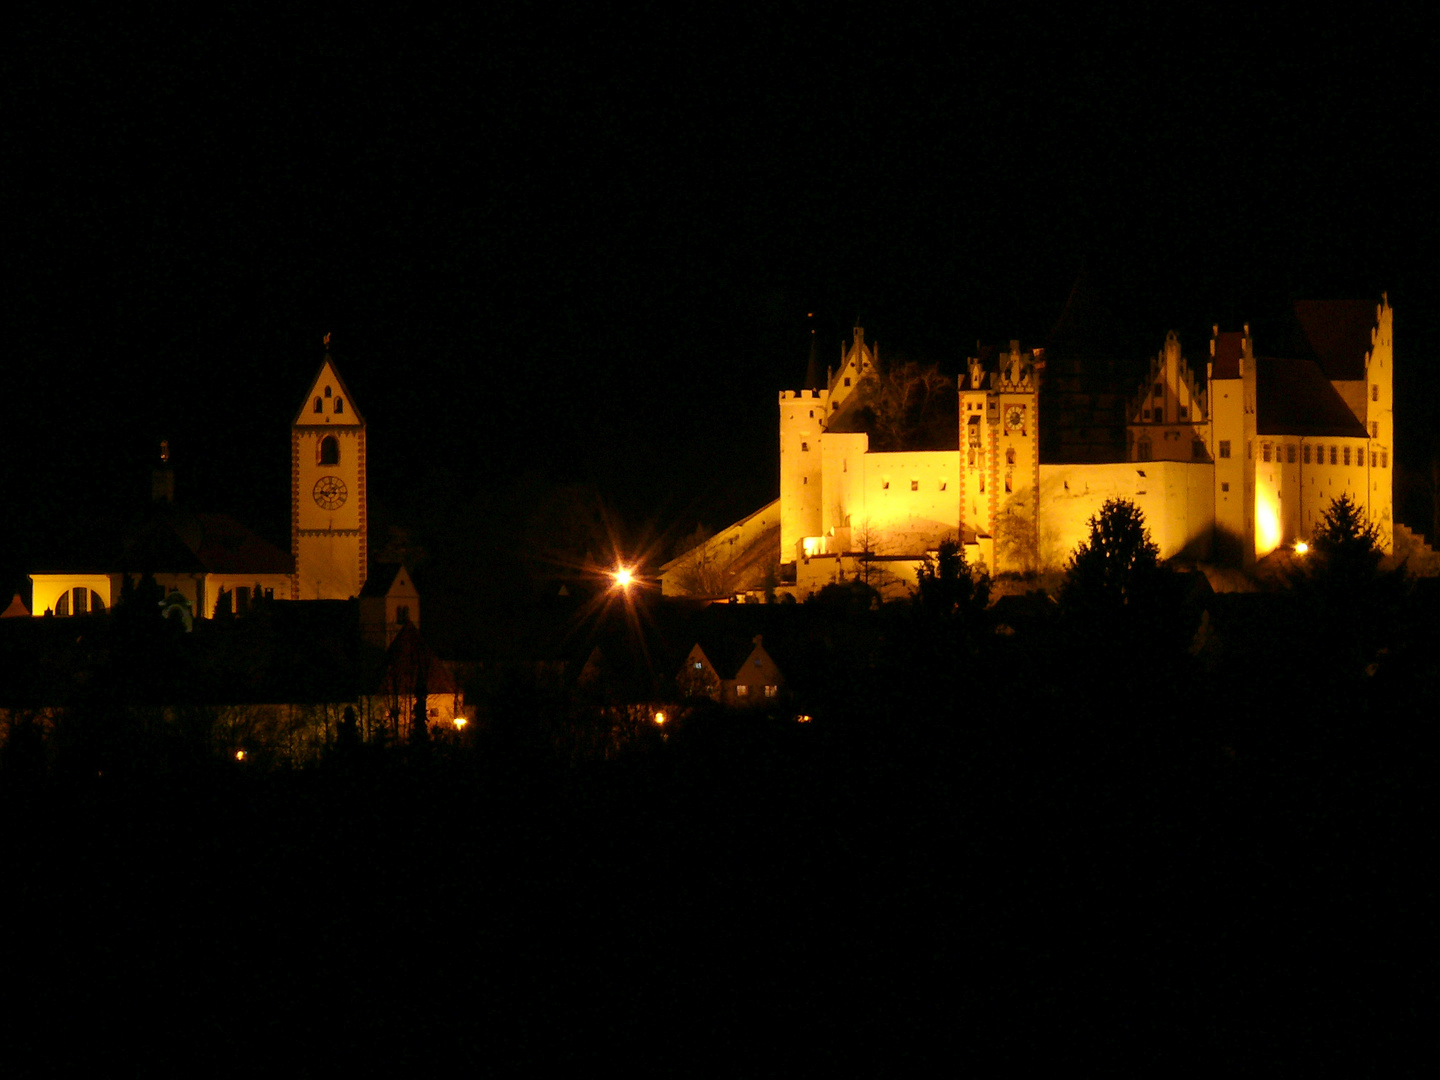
x=328, y=509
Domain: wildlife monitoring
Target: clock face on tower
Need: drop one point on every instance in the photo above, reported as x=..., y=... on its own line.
x=330, y=492
x=1015, y=418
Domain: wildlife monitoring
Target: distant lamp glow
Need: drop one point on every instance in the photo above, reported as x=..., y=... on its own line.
x=1301, y=547
x=660, y=719
x=624, y=577
x=239, y=755
x=460, y=723
x=803, y=718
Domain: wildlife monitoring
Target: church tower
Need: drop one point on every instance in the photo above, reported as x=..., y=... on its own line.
x=329, y=522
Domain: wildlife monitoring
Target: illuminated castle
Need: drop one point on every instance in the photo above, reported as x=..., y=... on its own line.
x=1227, y=470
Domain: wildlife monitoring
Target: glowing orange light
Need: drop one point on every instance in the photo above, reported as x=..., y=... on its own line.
x=624, y=577
x=460, y=723
x=1301, y=547
x=239, y=755
x=660, y=718
x=803, y=718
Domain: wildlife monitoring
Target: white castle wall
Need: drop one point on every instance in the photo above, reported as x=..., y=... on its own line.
x=1176, y=498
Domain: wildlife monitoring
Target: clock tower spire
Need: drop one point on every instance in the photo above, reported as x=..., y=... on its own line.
x=329, y=519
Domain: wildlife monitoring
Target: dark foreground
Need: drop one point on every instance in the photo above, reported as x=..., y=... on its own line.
x=750, y=895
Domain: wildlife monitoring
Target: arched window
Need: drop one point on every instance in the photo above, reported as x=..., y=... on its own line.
x=97, y=605
x=327, y=391
x=319, y=406
x=62, y=606
x=329, y=450
x=1010, y=457
x=339, y=404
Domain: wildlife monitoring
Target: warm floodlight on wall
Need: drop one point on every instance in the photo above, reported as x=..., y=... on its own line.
x=624, y=577
x=1301, y=547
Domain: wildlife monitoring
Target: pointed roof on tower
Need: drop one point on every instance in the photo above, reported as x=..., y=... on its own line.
x=327, y=387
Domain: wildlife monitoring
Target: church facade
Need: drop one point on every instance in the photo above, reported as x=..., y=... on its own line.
x=1226, y=468
x=206, y=564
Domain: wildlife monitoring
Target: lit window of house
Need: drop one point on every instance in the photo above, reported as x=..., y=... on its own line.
x=741, y=690
x=772, y=691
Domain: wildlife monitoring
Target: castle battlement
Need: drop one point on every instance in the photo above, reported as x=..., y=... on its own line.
x=798, y=395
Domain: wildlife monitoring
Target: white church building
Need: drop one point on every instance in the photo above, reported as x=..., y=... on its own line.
x=1227, y=468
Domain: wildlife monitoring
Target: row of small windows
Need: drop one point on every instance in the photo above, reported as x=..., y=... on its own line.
x=1158, y=413
x=1339, y=455
x=742, y=690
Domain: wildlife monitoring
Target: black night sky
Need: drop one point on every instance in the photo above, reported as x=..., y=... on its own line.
x=578, y=248
x=585, y=247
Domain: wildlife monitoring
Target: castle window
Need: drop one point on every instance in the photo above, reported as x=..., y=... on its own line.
x=804, y=446
x=1184, y=413
x=327, y=391
x=319, y=405
x=914, y=485
x=1372, y=459
x=1306, y=455
x=81, y=602
x=1225, y=485
x=1142, y=450
x=1159, y=390
x=1010, y=457
x=1374, y=429
x=329, y=450
x=1334, y=455
x=1347, y=455
x=847, y=380
x=1265, y=451
x=812, y=414
x=1008, y=484
x=972, y=459
x=1384, y=459
x=942, y=485
x=62, y=606
x=804, y=480
x=982, y=482
x=339, y=404
x=885, y=485
x=1224, y=448
x=1375, y=392
x=1197, y=449
x=1290, y=454
x=402, y=613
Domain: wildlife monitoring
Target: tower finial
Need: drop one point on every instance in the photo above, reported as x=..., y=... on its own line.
x=327, y=341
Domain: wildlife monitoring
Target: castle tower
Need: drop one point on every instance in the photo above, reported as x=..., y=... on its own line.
x=1000, y=458
x=1231, y=395
x=802, y=420
x=1380, y=422
x=329, y=522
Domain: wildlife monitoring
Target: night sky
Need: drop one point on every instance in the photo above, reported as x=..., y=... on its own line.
x=583, y=247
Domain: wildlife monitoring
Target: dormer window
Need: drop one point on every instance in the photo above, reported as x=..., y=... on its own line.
x=319, y=405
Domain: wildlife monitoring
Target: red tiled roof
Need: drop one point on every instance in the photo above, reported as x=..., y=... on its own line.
x=1339, y=332
x=1229, y=348
x=1293, y=397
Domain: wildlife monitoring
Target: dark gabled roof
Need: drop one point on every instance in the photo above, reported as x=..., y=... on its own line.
x=227, y=547
x=1339, y=333
x=382, y=576
x=178, y=542
x=406, y=658
x=1229, y=348
x=1293, y=397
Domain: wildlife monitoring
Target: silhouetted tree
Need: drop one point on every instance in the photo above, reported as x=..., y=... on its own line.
x=1116, y=564
x=946, y=586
